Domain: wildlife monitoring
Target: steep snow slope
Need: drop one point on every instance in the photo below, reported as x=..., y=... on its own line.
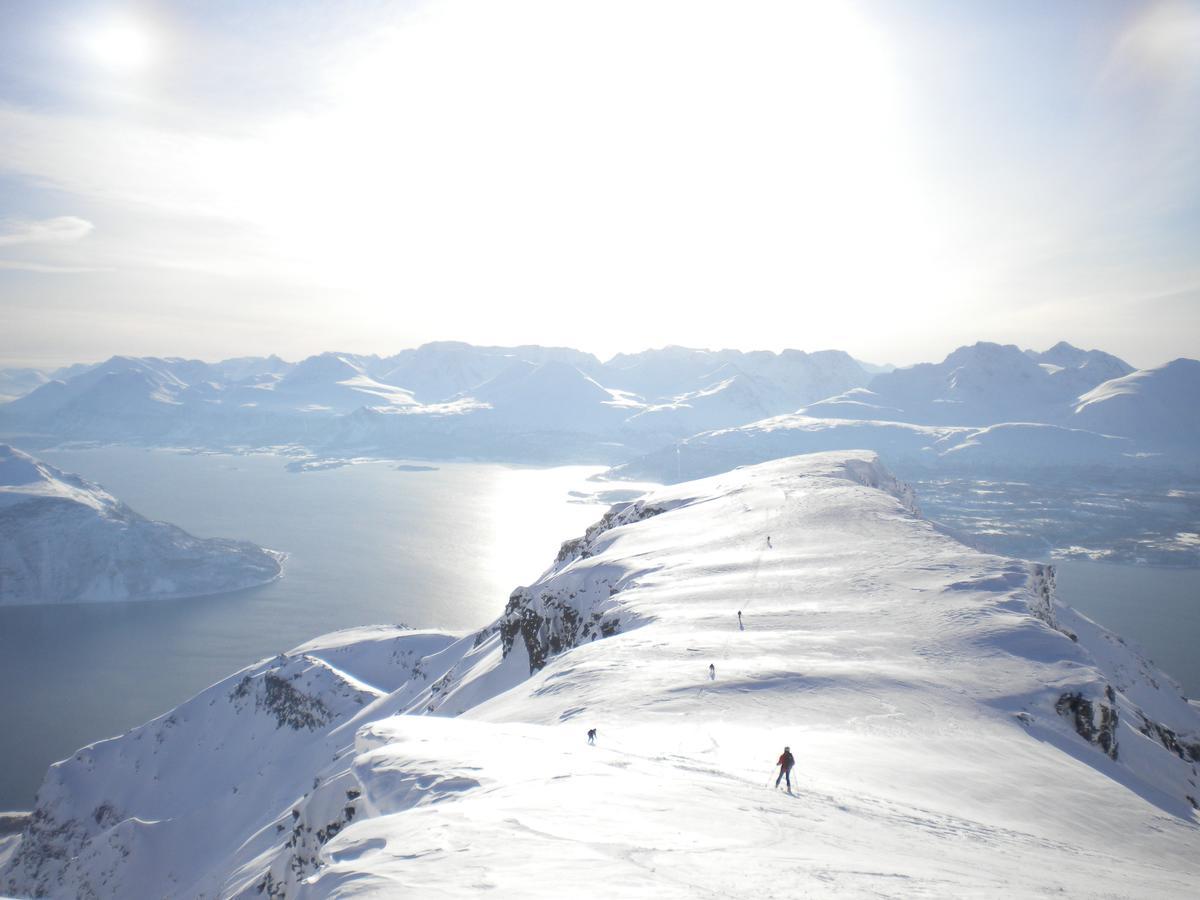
x=859, y=403
x=197, y=403
x=1087, y=368
x=528, y=412
x=798, y=377
x=328, y=382
x=805, y=377
x=958, y=732
x=716, y=451
x=124, y=391
x=242, y=367
x=552, y=396
x=65, y=540
x=1010, y=446
x=1031, y=446
x=663, y=372
x=983, y=384
x=875, y=368
x=1157, y=407
x=439, y=370
x=734, y=399
x=16, y=383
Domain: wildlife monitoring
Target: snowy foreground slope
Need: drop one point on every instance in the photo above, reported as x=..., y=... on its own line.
x=66, y=540
x=958, y=732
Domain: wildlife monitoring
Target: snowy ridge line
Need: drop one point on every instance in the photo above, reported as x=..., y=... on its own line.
x=871, y=473
x=984, y=405
x=356, y=683
x=959, y=731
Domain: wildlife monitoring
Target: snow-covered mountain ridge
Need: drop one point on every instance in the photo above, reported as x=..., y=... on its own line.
x=444, y=399
x=536, y=404
x=958, y=731
x=1029, y=421
x=66, y=540
x=981, y=384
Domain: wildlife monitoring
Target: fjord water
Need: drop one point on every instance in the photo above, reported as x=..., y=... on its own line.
x=369, y=543
x=1156, y=609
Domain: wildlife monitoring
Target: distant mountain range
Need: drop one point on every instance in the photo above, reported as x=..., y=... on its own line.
x=983, y=384
x=437, y=399
x=541, y=404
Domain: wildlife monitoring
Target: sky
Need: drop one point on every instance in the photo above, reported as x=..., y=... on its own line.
x=214, y=178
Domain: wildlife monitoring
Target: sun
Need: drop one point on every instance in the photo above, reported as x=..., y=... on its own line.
x=123, y=44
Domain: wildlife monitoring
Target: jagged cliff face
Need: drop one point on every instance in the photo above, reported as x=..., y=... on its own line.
x=1120, y=685
x=568, y=608
x=954, y=724
x=552, y=621
x=181, y=774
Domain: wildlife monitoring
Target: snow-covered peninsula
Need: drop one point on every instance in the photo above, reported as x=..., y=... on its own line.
x=958, y=731
x=66, y=540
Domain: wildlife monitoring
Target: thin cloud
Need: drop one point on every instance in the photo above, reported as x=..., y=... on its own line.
x=458, y=168
x=59, y=230
x=13, y=265
x=1162, y=44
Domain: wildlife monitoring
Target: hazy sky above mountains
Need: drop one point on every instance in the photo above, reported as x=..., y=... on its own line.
x=214, y=178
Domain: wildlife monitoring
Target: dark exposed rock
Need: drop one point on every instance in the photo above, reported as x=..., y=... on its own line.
x=550, y=623
x=1085, y=713
x=276, y=890
x=557, y=620
x=289, y=706
x=13, y=822
x=305, y=844
x=105, y=815
x=1041, y=599
x=621, y=514
x=1188, y=751
x=46, y=845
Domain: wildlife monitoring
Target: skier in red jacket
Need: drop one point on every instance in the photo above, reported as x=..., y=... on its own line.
x=786, y=761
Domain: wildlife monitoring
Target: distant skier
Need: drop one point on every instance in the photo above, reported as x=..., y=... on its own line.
x=786, y=761
x=712, y=672
x=741, y=627
x=769, y=547
x=591, y=735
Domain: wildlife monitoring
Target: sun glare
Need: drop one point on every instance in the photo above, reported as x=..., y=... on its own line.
x=769, y=158
x=123, y=44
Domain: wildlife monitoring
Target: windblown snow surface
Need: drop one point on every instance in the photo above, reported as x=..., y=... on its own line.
x=66, y=540
x=958, y=732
